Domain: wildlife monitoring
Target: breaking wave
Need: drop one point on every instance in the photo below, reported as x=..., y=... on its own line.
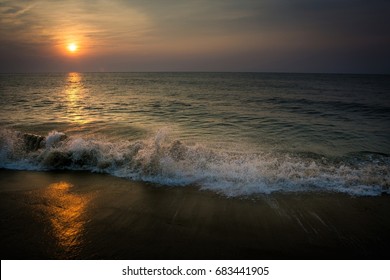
x=167, y=161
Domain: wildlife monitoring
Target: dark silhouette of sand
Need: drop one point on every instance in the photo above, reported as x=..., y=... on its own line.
x=78, y=215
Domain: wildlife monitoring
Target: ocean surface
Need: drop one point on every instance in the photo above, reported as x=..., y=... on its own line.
x=238, y=134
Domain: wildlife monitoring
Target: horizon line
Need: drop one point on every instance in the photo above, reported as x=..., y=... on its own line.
x=190, y=71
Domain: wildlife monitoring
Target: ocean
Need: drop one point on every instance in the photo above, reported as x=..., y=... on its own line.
x=236, y=134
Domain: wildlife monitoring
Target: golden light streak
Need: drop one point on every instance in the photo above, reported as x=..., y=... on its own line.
x=66, y=212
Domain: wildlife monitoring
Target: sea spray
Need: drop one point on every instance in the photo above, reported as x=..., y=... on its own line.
x=163, y=160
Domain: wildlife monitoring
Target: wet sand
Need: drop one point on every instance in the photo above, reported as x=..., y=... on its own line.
x=77, y=215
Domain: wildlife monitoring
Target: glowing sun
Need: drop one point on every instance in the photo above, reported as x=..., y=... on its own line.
x=72, y=47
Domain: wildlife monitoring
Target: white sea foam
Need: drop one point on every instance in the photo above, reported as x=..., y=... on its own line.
x=53, y=138
x=167, y=161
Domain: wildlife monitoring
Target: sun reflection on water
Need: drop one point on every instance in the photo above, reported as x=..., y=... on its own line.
x=75, y=99
x=66, y=214
x=73, y=87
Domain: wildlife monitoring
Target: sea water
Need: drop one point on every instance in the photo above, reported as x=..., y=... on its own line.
x=237, y=134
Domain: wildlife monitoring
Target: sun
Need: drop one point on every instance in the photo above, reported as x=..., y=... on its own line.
x=72, y=47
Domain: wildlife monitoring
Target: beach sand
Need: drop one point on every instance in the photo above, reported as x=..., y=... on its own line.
x=79, y=215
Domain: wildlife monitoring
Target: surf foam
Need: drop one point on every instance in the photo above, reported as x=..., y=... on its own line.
x=167, y=161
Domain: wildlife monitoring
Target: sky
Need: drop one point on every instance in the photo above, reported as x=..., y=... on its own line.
x=326, y=36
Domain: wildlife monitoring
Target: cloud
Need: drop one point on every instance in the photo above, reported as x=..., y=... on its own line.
x=238, y=34
x=56, y=22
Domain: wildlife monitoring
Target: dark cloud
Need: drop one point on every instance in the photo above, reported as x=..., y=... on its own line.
x=221, y=35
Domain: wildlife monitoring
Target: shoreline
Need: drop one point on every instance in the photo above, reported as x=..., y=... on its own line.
x=79, y=215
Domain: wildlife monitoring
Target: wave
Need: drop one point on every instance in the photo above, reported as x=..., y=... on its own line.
x=160, y=159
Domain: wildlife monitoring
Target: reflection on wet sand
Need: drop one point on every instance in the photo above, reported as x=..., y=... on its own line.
x=78, y=215
x=66, y=212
